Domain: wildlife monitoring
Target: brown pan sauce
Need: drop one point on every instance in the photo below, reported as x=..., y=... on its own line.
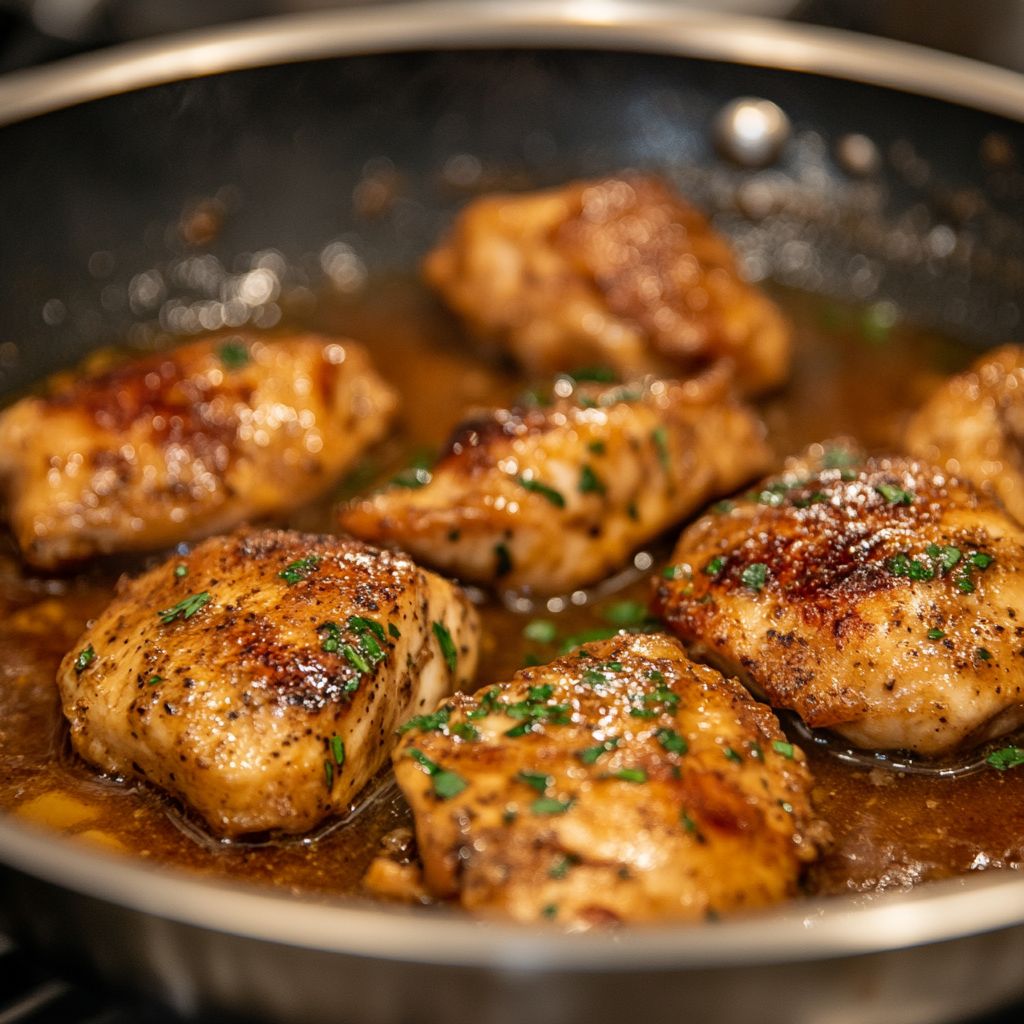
x=853, y=374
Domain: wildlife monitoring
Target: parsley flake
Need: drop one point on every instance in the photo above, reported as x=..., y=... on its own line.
x=590, y=482
x=630, y=775
x=535, y=780
x=936, y=634
x=185, y=608
x=754, y=575
x=548, y=805
x=338, y=751
x=590, y=754
x=671, y=741
x=85, y=658
x=784, y=749
x=233, y=354
x=531, y=484
x=894, y=494
x=1005, y=759
x=447, y=645
x=300, y=569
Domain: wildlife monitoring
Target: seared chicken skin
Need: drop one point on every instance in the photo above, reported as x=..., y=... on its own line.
x=260, y=678
x=621, y=782
x=882, y=599
x=619, y=272
x=973, y=426
x=184, y=443
x=553, y=497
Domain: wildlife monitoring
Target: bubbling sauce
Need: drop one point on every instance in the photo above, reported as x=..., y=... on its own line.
x=852, y=375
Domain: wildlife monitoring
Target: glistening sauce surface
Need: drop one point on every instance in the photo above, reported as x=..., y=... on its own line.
x=853, y=374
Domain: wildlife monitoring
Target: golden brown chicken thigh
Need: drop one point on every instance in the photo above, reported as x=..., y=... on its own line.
x=619, y=272
x=181, y=444
x=973, y=426
x=621, y=782
x=880, y=598
x=553, y=497
x=260, y=678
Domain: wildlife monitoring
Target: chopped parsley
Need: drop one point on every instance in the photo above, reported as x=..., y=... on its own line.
x=980, y=560
x=715, y=566
x=535, y=780
x=548, y=805
x=233, y=354
x=720, y=508
x=330, y=636
x=447, y=645
x=1008, y=757
x=784, y=749
x=589, y=755
x=85, y=658
x=412, y=479
x=181, y=570
x=466, y=731
x=732, y=755
x=427, y=723
x=355, y=659
x=329, y=773
x=300, y=569
x=660, y=438
x=754, y=575
x=541, y=631
x=338, y=751
x=627, y=614
x=394, y=631
x=446, y=783
x=936, y=634
x=687, y=822
x=185, y=608
x=630, y=775
x=154, y=680
x=894, y=494
x=562, y=863
x=983, y=653
x=671, y=741
x=530, y=484
x=590, y=482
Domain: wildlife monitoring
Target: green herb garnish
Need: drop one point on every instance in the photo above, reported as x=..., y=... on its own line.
x=1008, y=757
x=300, y=569
x=541, y=631
x=338, y=751
x=555, y=497
x=659, y=435
x=535, y=780
x=590, y=754
x=715, y=566
x=590, y=482
x=895, y=495
x=630, y=775
x=233, y=354
x=671, y=741
x=85, y=658
x=185, y=608
x=447, y=645
x=786, y=750
x=548, y=805
x=181, y=570
x=754, y=575
x=936, y=634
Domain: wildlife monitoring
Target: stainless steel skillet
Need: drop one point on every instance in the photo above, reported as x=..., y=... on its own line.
x=101, y=153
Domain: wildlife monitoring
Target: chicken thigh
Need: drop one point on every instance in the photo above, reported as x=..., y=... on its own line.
x=620, y=272
x=559, y=495
x=621, y=782
x=880, y=598
x=181, y=444
x=260, y=678
x=973, y=426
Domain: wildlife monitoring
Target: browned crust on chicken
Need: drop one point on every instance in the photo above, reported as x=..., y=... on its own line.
x=230, y=675
x=973, y=426
x=878, y=599
x=554, y=497
x=180, y=444
x=621, y=782
x=619, y=271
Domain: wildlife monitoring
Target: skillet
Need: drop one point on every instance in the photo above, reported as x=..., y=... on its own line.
x=103, y=153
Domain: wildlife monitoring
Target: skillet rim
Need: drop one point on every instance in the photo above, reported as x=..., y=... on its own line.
x=798, y=932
